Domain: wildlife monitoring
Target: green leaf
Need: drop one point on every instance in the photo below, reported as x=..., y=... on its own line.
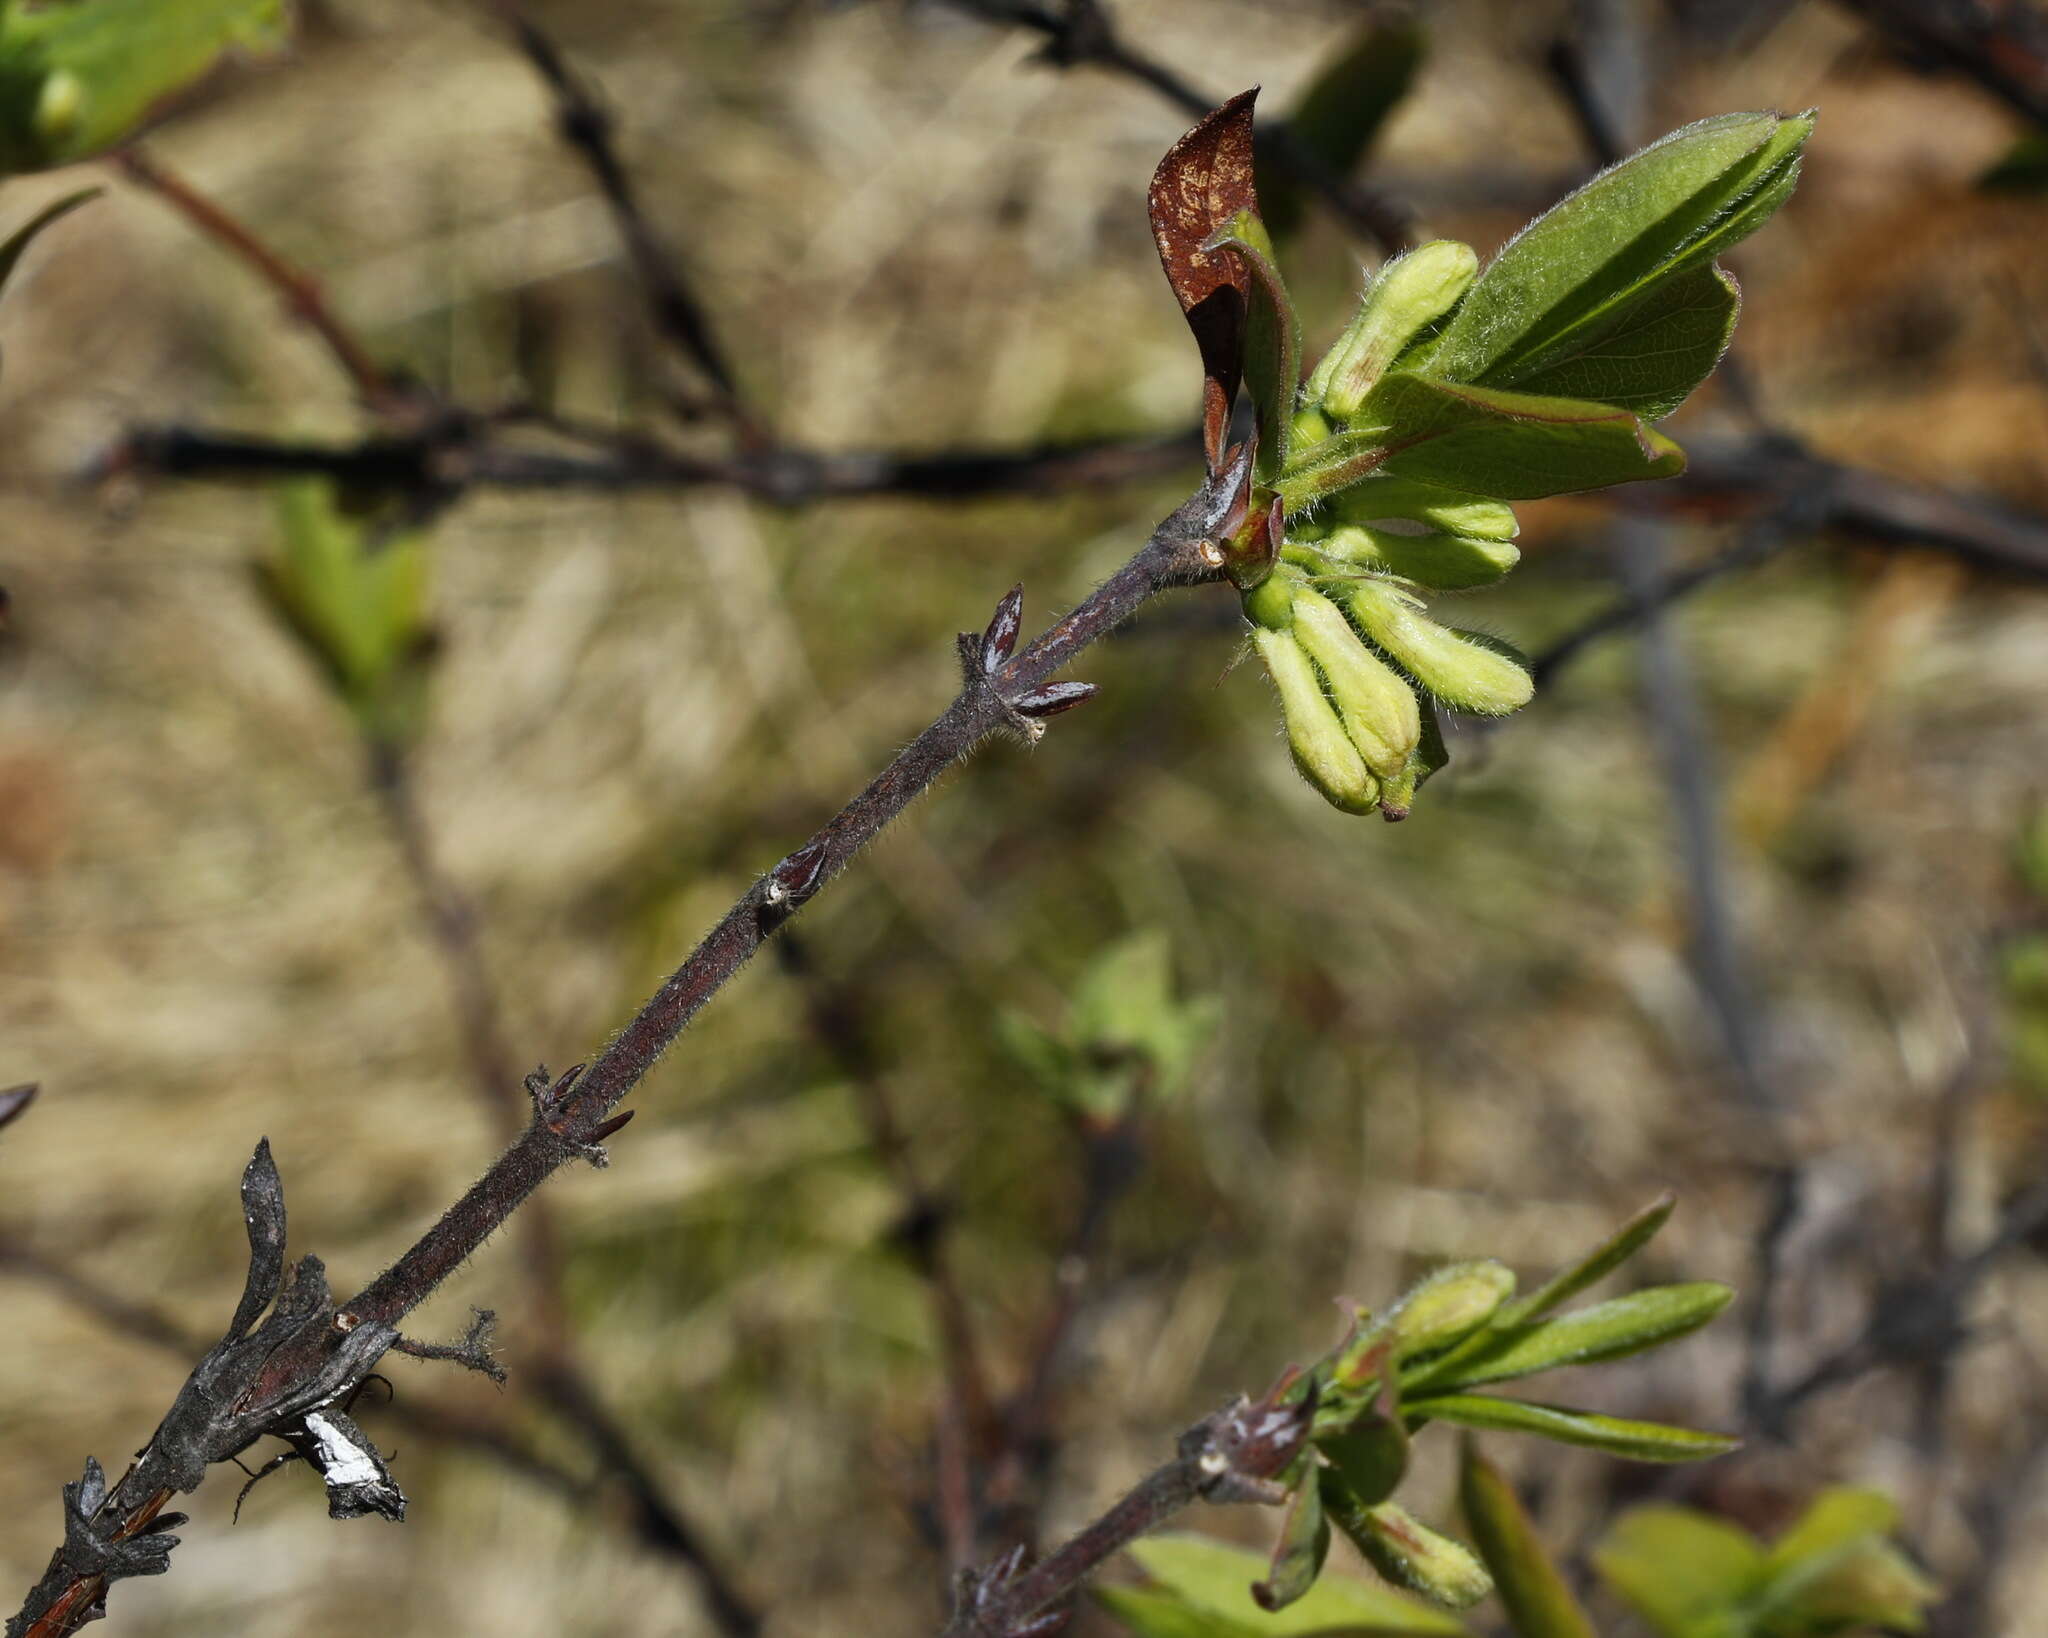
x=1154, y=1614
x=1839, y=1518
x=1452, y=511
x=1538, y=1602
x=1507, y=445
x=80, y=77
x=1649, y=352
x=1835, y=1568
x=1608, y=1330
x=355, y=600
x=23, y=236
x=1633, y=1441
x=1342, y=111
x=1299, y=1554
x=1595, y=1266
x=1371, y=1453
x=1673, y=206
x=1685, y=1573
x=1208, y=1582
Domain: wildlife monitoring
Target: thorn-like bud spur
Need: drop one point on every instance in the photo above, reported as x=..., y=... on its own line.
x=1410, y=294
x=1322, y=750
x=1466, y=672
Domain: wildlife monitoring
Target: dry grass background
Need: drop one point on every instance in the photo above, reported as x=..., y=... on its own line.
x=1471, y=1034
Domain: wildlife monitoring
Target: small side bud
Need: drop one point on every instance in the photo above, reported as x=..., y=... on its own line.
x=1376, y=704
x=1411, y=293
x=1462, y=670
x=1322, y=750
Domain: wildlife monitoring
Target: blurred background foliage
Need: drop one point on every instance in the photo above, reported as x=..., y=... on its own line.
x=1483, y=1032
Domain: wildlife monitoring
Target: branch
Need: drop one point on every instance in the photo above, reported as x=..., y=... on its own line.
x=1232, y=1456
x=298, y=289
x=279, y=1375
x=2003, y=49
x=586, y=126
x=1084, y=32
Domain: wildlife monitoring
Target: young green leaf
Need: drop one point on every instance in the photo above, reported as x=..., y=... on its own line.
x=1646, y=353
x=1608, y=1330
x=357, y=603
x=1595, y=1266
x=1684, y=1572
x=1671, y=207
x=1208, y=1581
x=1835, y=1567
x=78, y=78
x=1371, y=1455
x=1343, y=110
x=1633, y=1441
x=1383, y=498
x=1299, y=1554
x=1507, y=445
x=1538, y=1602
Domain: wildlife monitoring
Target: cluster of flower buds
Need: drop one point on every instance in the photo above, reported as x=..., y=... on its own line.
x=1339, y=621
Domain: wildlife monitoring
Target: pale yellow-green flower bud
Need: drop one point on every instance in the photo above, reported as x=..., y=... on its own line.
x=60, y=107
x=1411, y=293
x=1457, y=668
x=1270, y=604
x=1377, y=705
x=1322, y=750
x=1444, y=562
x=1410, y=1554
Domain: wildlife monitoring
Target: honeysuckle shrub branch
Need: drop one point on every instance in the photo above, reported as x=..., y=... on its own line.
x=1453, y=392
x=1449, y=397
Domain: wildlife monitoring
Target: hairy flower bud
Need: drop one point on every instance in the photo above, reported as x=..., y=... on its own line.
x=1379, y=710
x=1410, y=1554
x=1411, y=293
x=1322, y=750
x=1458, y=668
x=1382, y=497
x=1443, y=562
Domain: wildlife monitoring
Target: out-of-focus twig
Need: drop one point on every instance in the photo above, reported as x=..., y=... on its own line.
x=1084, y=32
x=558, y=1375
x=2001, y=48
x=587, y=126
x=298, y=289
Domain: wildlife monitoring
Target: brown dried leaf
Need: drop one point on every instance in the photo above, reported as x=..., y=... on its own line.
x=1201, y=187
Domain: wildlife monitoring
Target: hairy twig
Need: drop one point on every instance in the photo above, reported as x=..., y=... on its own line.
x=1232, y=1456
x=283, y=1374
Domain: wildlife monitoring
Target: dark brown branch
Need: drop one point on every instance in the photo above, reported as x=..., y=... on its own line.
x=454, y=455
x=1084, y=32
x=1232, y=1456
x=586, y=126
x=278, y=1370
x=1178, y=554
